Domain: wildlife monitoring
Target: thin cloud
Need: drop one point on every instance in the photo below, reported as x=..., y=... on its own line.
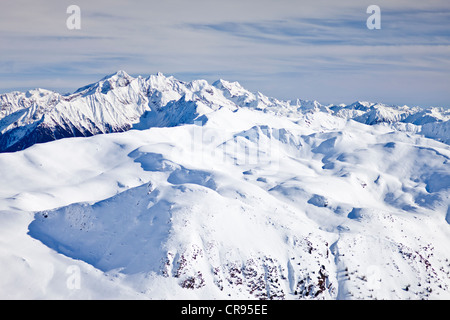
x=288, y=49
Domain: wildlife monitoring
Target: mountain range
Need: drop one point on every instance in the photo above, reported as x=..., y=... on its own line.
x=155, y=188
x=120, y=102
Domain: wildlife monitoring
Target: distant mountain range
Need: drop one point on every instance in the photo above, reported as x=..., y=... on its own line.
x=119, y=102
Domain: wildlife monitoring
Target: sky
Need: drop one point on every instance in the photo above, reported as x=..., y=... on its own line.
x=287, y=49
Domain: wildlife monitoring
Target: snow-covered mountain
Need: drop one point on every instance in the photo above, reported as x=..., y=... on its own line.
x=220, y=193
x=120, y=102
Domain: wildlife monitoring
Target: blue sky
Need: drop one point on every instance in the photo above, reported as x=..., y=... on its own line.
x=287, y=49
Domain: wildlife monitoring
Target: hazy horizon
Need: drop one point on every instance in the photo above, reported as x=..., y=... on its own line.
x=285, y=49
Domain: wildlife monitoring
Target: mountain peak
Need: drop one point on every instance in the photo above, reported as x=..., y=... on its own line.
x=221, y=83
x=233, y=89
x=118, y=74
x=111, y=81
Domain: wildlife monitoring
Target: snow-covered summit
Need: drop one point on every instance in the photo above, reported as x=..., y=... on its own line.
x=219, y=193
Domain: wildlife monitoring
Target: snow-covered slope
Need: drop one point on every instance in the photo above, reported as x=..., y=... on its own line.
x=223, y=193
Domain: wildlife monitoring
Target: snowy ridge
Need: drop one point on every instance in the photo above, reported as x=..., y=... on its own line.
x=120, y=102
x=222, y=193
